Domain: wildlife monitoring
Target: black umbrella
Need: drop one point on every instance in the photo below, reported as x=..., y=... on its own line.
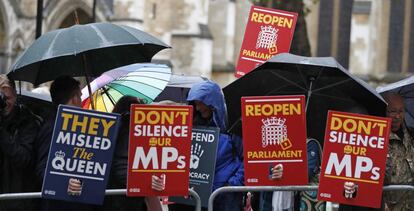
x=324, y=82
x=84, y=50
x=40, y=104
x=178, y=87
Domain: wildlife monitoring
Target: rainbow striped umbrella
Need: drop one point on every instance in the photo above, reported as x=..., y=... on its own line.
x=143, y=80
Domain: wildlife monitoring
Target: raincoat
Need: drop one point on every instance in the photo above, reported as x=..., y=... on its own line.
x=229, y=161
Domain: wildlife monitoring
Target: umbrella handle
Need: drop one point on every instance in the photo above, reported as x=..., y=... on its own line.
x=88, y=81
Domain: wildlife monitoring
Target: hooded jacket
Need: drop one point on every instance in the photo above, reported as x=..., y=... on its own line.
x=229, y=161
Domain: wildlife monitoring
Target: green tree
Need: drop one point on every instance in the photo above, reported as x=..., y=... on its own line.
x=300, y=44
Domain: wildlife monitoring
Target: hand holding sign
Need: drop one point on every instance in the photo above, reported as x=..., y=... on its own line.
x=355, y=150
x=80, y=155
x=277, y=171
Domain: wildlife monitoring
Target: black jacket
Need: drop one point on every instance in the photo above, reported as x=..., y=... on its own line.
x=17, y=137
x=118, y=176
x=43, y=141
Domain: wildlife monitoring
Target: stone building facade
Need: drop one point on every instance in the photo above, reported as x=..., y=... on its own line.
x=374, y=39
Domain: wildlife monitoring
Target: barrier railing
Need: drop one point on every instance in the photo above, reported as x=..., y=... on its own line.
x=110, y=192
x=228, y=189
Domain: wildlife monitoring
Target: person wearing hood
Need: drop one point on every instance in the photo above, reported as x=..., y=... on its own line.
x=210, y=110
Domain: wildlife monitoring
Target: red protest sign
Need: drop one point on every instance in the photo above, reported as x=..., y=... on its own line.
x=274, y=131
x=355, y=150
x=268, y=32
x=159, y=145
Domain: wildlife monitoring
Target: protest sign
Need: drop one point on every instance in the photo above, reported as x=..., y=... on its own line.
x=159, y=145
x=202, y=164
x=268, y=32
x=81, y=149
x=274, y=131
x=355, y=150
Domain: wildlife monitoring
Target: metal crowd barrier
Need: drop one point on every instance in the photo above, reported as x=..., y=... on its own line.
x=228, y=189
x=110, y=192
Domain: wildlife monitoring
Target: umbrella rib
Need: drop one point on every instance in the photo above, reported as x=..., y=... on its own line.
x=120, y=79
x=332, y=85
x=104, y=105
x=105, y=90
x=333, y=97
x=409, y=113
x=150, y=71
x=139, y=40
x=301, y=75
x=287, y=80
x=405, y=90
x=276, y=89
x=144, y=76
x=128, y=88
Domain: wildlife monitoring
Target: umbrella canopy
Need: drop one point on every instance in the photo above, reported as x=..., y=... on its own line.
x=178, y=87
x=97, y=46
x=405, y=88
x=39, y=103
x=325, y=83
x=143, y=80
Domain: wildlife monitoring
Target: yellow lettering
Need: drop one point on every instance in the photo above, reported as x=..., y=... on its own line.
x=93, y=126
x=254, y=16
x=76, y=123
x=107, y=125
x=153, y=117
x=66, y=118
x=336, y=123
x=366, y=126
x=257, y=110
x=167, y=117
x=381, y=128
x=184, y=115
x=267, y=110
x=139, y=117
x=297, y=109
x=249, y=110
x=349, y=125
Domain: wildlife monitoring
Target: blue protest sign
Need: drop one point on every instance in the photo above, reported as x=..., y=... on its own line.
x=80, y=155
x=204, y=143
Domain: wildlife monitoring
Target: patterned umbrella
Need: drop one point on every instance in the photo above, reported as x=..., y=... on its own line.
x=144, y=80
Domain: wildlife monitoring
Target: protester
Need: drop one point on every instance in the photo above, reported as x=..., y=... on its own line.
x=119, y=169
x=64, y=90
x=210, y=110
x=350, y=188
x=399, y=166
x=289, y=200
x=18, y=130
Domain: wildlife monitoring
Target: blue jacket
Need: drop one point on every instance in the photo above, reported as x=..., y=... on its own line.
x=229, y=161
